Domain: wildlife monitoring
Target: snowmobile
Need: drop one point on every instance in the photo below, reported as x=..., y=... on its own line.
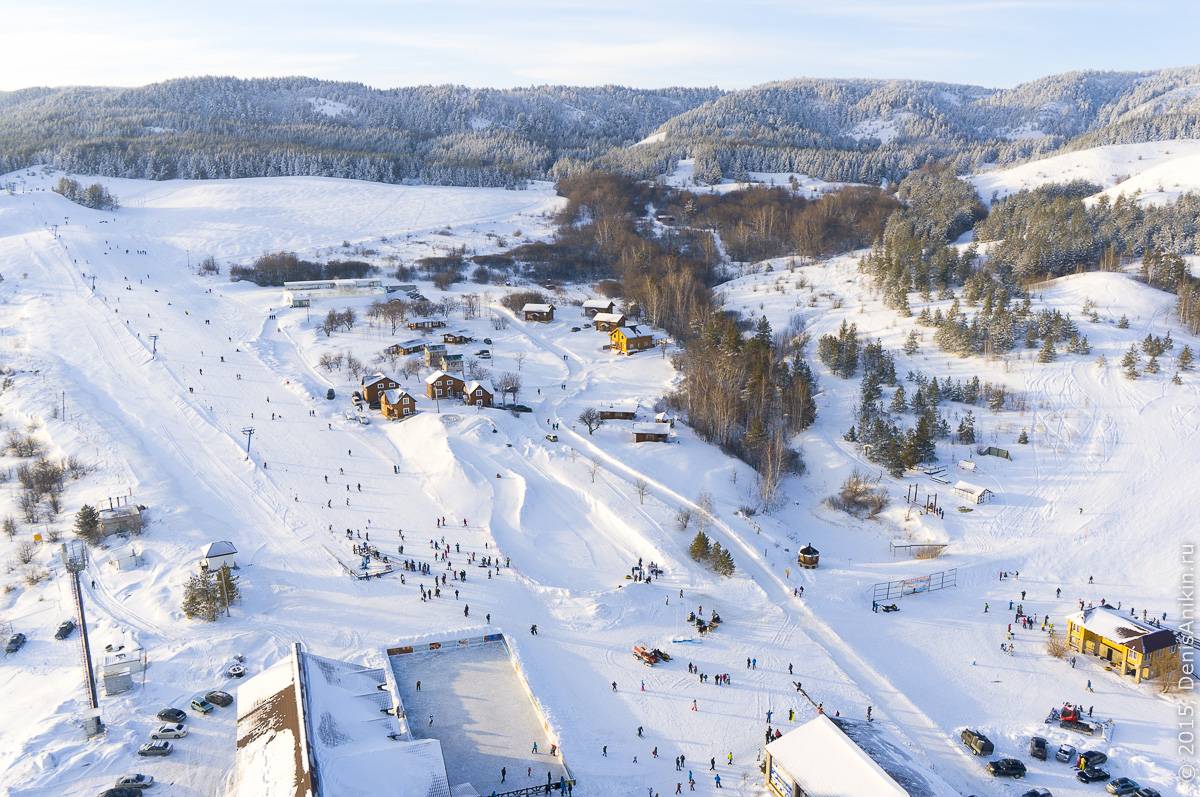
x=644, y=656
x=662, y=655
x=891, y=607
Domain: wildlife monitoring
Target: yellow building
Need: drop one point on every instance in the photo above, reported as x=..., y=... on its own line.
x=1134, y=649
x=628, y=340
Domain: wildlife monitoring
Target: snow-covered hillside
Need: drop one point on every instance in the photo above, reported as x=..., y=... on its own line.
x=684, y=176
x=1155, y=171
x=148, y=373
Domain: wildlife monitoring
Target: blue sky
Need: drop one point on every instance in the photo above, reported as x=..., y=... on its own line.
x=731, y=44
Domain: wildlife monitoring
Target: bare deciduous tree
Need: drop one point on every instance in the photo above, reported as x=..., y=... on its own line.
x=591, y=419
x=509, y=384
x=642, y=487
x=593, y=469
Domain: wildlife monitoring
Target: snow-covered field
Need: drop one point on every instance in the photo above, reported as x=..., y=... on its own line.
x=166, y=426
x=1154, y=171
x=684, y=176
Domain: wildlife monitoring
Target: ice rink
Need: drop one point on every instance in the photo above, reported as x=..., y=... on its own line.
x=481, y=714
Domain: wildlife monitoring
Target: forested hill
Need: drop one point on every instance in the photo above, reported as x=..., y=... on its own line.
x=226, y=127
x=848, y=130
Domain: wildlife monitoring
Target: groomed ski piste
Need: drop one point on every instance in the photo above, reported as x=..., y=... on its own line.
x=566, y=516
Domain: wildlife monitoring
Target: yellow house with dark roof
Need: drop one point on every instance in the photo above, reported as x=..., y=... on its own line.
x=1135, y=649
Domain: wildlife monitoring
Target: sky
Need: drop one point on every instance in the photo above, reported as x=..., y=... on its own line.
x=731, y=44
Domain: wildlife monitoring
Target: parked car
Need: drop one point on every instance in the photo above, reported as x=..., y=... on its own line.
x=152, y=749
x=1091, y=775
x=1006, y=768
x=202, y=705
x=176, y=731
x=1066, y=753
x=553, y=438
x=172, y=715
x=330, y=395
x=15, y=643
x=1037, y=793
x=979, y=744
x=574, y=329
x=219, y=698
x=236, y=671
x=1037, y=748
x=122, y=791
x=520, y=408
x=488, y=341
x=135, y=780
x=483, y=354
x=64, y=629
x=1146, y=791
x=1122, y=786
x=1092, y=758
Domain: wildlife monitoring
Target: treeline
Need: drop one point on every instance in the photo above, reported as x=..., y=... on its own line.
x=746, y=394
x=276, y=268
x=94, y=196
x=762, y=222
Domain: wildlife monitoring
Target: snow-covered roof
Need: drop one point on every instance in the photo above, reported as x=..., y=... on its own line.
x=378, y=376
x=652, y=428
x=537, y=308
x=309, y=726
x=970, y=489
x=1109, y=623
x=611, y=318
x=125, y=510
x=827, y=763
x=393, y=396
x=632, y=332
x=591, y=304
x=436, y=375
x=218, y=548
x=480, y=383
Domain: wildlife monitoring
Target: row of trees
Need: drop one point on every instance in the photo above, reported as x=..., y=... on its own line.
x=94, y=196
x=275, y=268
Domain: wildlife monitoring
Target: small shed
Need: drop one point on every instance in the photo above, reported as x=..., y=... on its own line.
x=216, y=555
x=808, y=557
x=121, y=665
x=457, y=336
x=426, y=323
x=967, y=464
x=406, y=347
x=538, y=312
x=972, y=492
x=618, y=412
x=651, y=432
x=122, y=518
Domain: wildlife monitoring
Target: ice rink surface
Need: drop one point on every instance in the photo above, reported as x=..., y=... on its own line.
x=481, y=714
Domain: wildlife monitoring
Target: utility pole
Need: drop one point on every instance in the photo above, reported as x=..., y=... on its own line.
x=249, y=432
x=154, y=342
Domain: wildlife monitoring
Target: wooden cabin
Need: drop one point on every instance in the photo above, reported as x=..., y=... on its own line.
x=397, y=403
x=607, y=322
x=406, y=347
x=538, y=312
x=612, y=413
x=651, y=433
x=457, y=337
x=375, y=384
x=433, y=352
x=808, y=557
x=593, y=306
x=441, y=385
x=1132, y=648
x=629, y=340
x=479, y=394
x=450, y=362
x=426, y=323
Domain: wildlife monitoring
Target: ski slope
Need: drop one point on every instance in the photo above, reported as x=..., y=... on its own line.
x=1153, y=171
x=163, y=420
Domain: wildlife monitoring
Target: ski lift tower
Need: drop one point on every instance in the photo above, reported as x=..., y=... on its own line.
x=75, y=556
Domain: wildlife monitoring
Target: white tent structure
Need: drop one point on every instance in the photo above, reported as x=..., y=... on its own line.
x=217, y=554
